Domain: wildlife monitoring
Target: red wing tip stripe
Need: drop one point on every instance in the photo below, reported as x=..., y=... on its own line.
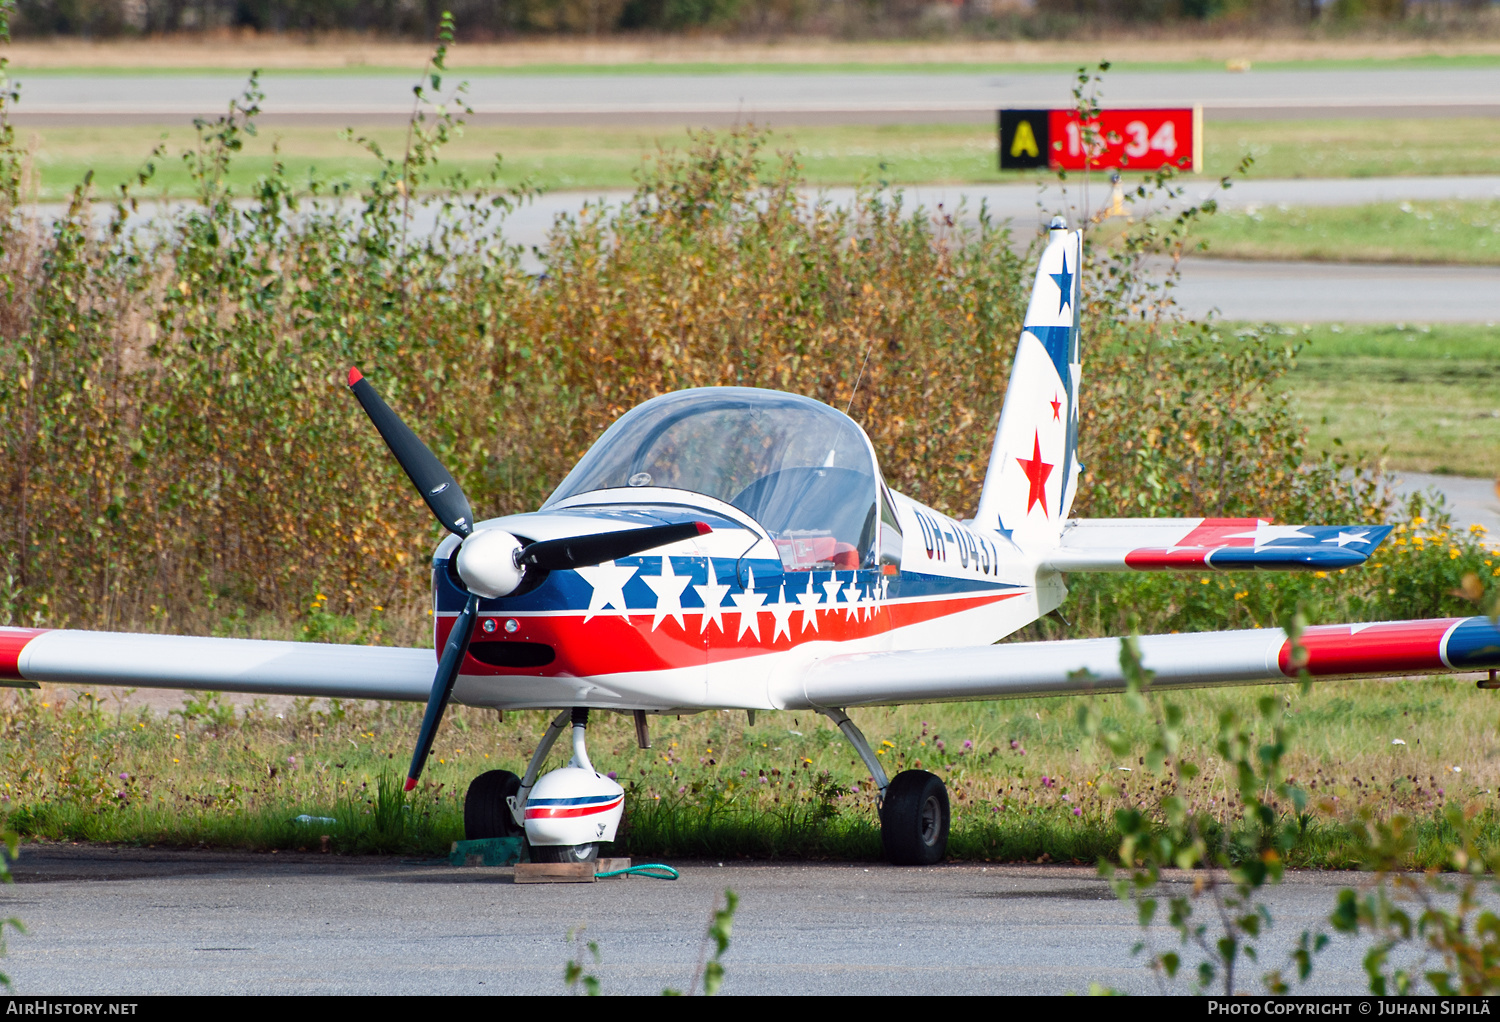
x=12, y=642
x=411, y=782
x=355, y=375
x=557, y=812
x=1387, y=647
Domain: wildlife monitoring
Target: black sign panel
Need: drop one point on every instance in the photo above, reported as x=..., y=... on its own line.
x=1023, y=139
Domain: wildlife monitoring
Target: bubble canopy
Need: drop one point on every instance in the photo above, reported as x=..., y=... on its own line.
x=804, y=471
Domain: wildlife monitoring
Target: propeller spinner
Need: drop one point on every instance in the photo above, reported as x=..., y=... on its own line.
x=491, y=563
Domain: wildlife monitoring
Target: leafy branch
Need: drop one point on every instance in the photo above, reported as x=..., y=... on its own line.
x=1220, y=920
x=1442, y=915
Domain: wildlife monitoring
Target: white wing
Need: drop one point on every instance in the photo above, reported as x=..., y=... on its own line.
x=1182, y=661
x=64, y=656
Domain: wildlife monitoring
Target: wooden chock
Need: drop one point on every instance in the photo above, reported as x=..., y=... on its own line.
x=554, y=872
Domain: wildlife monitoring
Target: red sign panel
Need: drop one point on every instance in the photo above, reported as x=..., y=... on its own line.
x=1126, y=140
x=1119, y=139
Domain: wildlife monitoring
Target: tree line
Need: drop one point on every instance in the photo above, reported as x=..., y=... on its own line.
x=496, y=19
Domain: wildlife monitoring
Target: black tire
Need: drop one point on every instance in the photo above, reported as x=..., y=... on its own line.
x=565, y=853
x=486, y=813
x=914, y=819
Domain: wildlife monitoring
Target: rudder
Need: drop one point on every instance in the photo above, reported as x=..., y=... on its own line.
x=1033, y=472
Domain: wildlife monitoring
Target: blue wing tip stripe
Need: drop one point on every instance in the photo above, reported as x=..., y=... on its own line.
x=1475, y=643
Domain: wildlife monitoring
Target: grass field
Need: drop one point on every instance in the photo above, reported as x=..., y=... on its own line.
x=1423, y=398
x=1023, y=780
x=1389, y=232
x=592, y=157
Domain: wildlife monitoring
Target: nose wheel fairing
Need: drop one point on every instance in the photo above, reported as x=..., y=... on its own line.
x=574, y=806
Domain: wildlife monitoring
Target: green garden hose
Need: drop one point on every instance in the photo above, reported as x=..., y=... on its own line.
x=651, y=869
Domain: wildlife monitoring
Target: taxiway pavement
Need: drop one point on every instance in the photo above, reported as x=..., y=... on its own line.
x=1283, y=292
x=774, y=96
x=1030, y=205
x=142, y=921
x=1339, y=292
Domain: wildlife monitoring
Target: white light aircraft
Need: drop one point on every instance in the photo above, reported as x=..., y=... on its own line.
x=730, y=548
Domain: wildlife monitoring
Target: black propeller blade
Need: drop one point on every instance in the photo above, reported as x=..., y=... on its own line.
x=447, y=501
x=437, y=487
x=442, y=687
x=581, y=551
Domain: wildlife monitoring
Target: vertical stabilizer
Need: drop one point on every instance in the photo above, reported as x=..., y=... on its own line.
x=1033, y=473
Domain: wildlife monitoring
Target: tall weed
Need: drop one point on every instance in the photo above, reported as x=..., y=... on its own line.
x=179, y=453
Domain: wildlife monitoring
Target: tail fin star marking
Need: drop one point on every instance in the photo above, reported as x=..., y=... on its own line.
x=1037, y=472
x=1064, y=281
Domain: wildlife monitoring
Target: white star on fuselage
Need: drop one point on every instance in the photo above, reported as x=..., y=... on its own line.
x=852, y=599
x=668, y=588
x=749, y=603
x=608, y=581
x=832, y=587
x=809, y=601
x=782, y=611
x=712, y=595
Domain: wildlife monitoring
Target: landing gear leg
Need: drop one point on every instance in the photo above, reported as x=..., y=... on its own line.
x=914, y=811
x=862, y=746
x=517, y=802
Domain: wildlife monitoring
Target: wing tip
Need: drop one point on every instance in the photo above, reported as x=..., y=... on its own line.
x=355, y=375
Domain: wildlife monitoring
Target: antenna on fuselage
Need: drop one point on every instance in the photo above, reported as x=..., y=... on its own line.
x=860, y=377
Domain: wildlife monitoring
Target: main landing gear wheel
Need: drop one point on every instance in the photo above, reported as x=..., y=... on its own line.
x=914, y=819
x=565, y=853
x=486, y=812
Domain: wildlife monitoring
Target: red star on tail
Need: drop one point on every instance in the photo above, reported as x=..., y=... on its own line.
x=1037, y=472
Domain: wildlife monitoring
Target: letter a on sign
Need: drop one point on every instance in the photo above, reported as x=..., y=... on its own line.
x=1023, y=143
x=1024, y=136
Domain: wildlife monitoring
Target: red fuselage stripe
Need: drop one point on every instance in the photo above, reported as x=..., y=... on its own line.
x=609, y=643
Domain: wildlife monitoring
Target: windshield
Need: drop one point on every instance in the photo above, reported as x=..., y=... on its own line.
x=801, y=469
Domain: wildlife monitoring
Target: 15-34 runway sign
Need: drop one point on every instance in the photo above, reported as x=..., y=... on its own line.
x=1121, y=140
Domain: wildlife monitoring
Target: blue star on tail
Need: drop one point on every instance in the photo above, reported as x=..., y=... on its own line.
x=1064, y=281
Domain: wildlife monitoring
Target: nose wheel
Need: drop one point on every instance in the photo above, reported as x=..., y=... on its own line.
x=486, y=809
x=565, y=853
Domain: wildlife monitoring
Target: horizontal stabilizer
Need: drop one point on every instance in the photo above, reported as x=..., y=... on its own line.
x=1191, y=660
x=1196, y=544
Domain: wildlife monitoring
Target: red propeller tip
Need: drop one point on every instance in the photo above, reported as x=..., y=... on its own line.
x=411, y=782
x=703, y=529
x=354, y=377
